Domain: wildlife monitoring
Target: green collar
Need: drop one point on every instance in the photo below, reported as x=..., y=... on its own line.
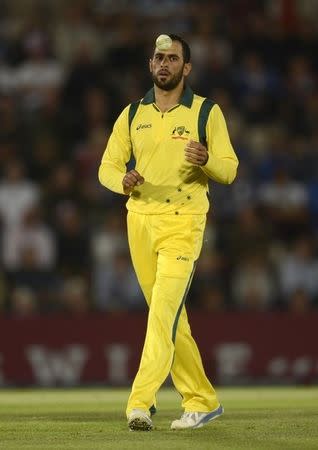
x=186, y=98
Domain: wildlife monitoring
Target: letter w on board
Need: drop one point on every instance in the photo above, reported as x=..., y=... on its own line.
x=62, y=366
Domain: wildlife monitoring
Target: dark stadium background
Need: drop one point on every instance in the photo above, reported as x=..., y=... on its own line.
x=71, y=311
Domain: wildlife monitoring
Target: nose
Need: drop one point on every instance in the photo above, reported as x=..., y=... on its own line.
x=164, y=61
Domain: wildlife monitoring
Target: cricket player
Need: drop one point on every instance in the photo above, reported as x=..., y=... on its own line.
x=178, y=141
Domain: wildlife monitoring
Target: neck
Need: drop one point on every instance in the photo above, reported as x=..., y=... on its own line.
x=167, y=99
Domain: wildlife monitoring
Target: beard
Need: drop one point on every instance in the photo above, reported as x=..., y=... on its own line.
x=168, y=84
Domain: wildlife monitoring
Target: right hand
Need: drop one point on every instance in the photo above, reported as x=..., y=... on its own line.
x=132, y=179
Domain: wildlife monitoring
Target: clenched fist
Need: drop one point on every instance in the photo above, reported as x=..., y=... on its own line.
x=196, y=153
x=132, y=179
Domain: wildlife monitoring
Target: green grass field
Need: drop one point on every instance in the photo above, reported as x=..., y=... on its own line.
x=255, y=418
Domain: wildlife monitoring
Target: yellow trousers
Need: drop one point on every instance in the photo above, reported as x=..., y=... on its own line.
x=164, y=249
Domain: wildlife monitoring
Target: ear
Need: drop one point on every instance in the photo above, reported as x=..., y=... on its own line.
x=187, y=69
x=150, y=65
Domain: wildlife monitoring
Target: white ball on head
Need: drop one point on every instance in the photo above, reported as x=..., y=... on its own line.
x=163, y=42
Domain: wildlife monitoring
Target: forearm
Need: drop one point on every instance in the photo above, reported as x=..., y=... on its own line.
x=118, y=152
x=222, y=163
x=221, y=170
x=111, y=176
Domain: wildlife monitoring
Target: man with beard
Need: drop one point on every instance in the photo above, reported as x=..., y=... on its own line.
x=178, y=140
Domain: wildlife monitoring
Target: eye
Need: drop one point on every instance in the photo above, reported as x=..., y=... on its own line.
x=173, y=58
x=158, y=57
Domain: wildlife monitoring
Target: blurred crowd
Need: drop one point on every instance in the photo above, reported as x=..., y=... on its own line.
x=67, y=68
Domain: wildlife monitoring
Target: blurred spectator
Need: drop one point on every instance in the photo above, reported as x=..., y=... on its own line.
x=242, y=193
x=33, y=234
x=256, y=86
x=75, y=296
x=212, y=56
x=30, y=274
x=17, y=194
x=7, y=79
x=73, y=242
x=83, y=74
x=313, y=203
x=3, y=292
x=299, y=302
x=116, y=287
x=96, y=111
x=11, y=125
x=228, y=201
x=8, y=149
x=62, y=192
x=253, y=284
x=23, y=302
x=285, y=204
x=38, y=72
x=49, y=133
x=74, y=32
x=87, y=157
x=210, y=271
x=108, y=240
x=249, y=231
x=301, y=80
x=211, y=299
x=45, y=156
x=298, y=269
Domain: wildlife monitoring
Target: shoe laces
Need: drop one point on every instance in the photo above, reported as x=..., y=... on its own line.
x=187, y=415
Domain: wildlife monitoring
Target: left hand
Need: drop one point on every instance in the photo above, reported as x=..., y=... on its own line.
x=196, y=153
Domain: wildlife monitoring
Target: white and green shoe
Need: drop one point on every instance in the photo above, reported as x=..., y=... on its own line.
x=196, y=419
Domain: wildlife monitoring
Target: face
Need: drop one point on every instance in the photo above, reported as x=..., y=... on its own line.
x=167, y=67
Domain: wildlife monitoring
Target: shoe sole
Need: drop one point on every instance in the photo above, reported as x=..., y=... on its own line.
x=139, y=424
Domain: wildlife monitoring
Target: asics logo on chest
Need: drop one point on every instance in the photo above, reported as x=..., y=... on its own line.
x=142, y=126
x=182, y=258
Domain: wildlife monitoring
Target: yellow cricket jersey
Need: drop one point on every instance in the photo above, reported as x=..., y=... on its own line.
x=157, y=141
